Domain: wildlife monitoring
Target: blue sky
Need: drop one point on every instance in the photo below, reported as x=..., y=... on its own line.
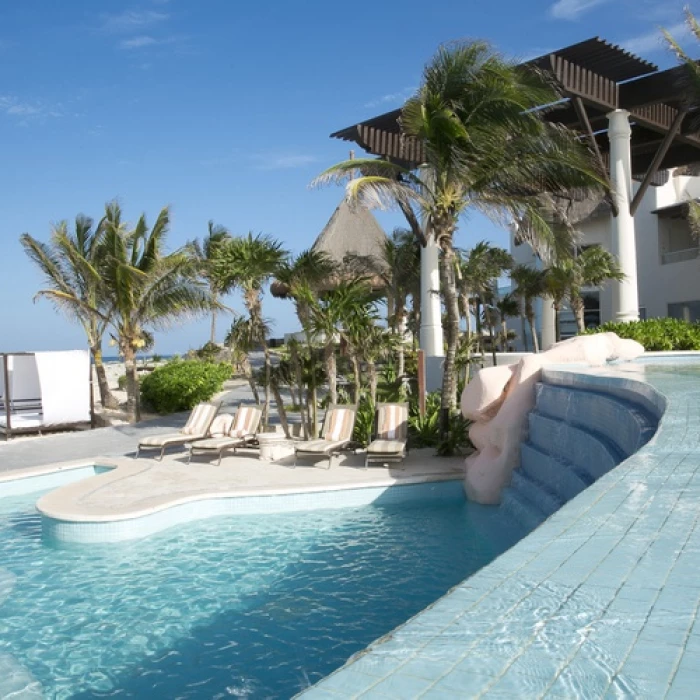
x=223, y=109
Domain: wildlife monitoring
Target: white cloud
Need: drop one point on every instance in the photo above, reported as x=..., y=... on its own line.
x=13, y=106
x=654, y=41
x=132, y=20
x=572, y=9
x=283, y=161
x=137, y=42
x=392, y=97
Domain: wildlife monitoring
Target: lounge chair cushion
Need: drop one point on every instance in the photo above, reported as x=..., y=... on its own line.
x=167, y=439
x=200, y=419
x=321, y=446
x=392, y=422
x=386, y=447
x=243, y=423
x=221, y=425
x=218, y=443
x=340, y=424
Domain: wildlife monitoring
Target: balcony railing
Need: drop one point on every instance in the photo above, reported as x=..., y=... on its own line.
x=679, y=255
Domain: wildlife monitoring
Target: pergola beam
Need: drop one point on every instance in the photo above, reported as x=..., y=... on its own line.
x=658, y=157
x=583, y=118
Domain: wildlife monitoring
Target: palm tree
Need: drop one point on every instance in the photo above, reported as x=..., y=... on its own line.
x=242, y=339
x=485, y=146
x=556, y=284
x=250, y=263
x=207, y=254
x=300, y=279
x=146, y=288
x=593, y=267
x=330, y=315
x=399, y=270
x=529, y=285
x=71, y=263
x=478, y=271
x=507, y=306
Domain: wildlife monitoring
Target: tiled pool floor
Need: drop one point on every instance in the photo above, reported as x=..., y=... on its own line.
x=600, y=601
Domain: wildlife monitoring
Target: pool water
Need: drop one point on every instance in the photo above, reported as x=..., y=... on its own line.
x=253, y=606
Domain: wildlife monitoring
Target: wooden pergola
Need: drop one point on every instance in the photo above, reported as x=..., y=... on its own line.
x=594, y=78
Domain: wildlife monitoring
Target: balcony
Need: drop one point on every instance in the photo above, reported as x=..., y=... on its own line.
x=679, y=255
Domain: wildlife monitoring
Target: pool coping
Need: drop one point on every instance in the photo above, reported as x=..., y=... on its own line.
x=595, y=602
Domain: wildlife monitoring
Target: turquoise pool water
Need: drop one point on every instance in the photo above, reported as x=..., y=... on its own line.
x=248, y=606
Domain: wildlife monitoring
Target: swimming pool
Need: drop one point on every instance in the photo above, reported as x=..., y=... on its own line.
x=249, y=606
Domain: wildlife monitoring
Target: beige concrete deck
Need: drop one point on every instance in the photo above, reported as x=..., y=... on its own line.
x=138, y=487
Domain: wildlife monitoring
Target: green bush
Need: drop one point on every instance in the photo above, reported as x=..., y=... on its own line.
x=656, y=334
x=179, y=386
x=121, y=382
x=425, y=431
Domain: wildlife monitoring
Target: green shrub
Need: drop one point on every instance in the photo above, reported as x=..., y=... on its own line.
x=425, y=431
x=179, y=386
x=656, y=334
x=208, y=352
x=121, y=382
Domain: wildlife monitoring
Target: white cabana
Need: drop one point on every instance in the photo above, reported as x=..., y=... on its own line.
x=42, y=390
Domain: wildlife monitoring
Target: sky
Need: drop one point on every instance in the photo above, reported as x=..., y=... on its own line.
x=222, y=110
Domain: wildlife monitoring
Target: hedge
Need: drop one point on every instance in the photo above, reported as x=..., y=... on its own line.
x=180, y=386
x=656, y=334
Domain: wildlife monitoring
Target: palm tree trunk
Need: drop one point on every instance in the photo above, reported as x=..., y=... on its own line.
x=280, y=405
x=212, y=336
x=578, y=307
x=106, y=398
x=504, y=330
x=557, y=330
x=373, y=381
x=248, y=373
x=533, y=330
x=313, y=412
x=266, y=407
x=133, y=402
x=522, y=324
x=296, y=363
x=357, y=379
x=448, y=401
x=329, y=360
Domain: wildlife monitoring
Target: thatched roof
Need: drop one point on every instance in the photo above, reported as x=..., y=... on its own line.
x=352, y=230
x=350, y=235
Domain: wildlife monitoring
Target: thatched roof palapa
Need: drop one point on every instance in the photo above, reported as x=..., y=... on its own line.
x=352, y=233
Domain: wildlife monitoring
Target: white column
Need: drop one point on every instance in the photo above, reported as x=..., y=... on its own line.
x=548, y=324
x=625, y=297
x=430, y=310
x=431, y=341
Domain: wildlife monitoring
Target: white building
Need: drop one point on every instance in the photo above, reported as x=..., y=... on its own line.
x=667, y=260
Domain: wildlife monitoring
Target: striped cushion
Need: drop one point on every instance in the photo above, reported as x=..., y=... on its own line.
x=216, y=443
x=161, y=440
x=246, y=421
x=200, y=419
x=386, y=447
x=320, y=446
x=393, y=422
x=221, y=425
x=340, y=424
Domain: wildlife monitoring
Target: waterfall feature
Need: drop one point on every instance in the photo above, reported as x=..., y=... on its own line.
x=576, y=435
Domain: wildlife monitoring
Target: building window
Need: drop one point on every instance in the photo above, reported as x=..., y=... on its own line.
x=685, y=310
x=676, y=241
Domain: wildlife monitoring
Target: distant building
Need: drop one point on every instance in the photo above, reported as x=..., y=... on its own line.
x=668, y=264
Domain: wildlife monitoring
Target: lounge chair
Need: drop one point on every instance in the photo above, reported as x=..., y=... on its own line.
x=197, y=427
x=336, y=434
x=240, y=431
x=390, y=434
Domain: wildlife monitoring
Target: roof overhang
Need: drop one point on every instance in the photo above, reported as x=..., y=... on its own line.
x=674, y=211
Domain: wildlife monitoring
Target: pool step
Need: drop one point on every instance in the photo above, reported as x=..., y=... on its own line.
x=535, y=492
x=559, y=477
x=589, y=453
x=521, y=509
x=621, y=422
